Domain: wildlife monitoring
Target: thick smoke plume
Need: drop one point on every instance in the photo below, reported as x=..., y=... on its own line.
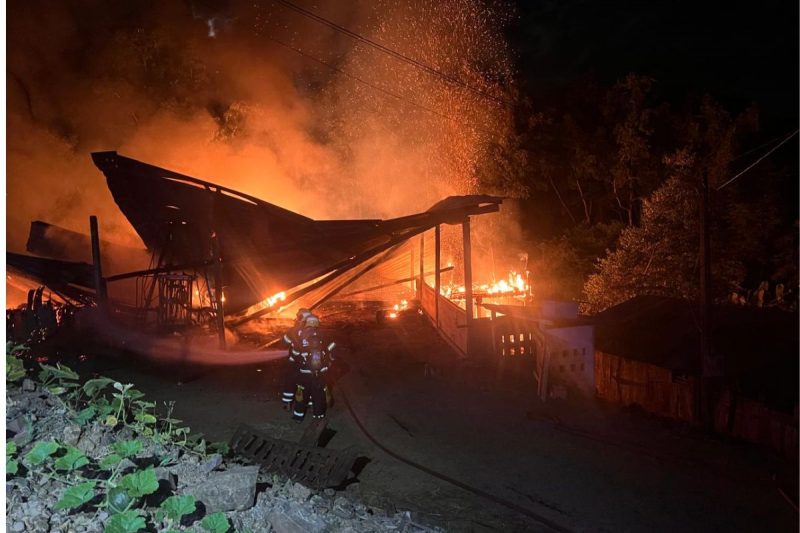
x=215, y=90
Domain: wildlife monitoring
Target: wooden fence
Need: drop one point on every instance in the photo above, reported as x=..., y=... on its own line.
x=665, y=393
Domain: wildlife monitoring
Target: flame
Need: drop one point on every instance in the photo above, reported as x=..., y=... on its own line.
x=275, y=298
x=514, y=285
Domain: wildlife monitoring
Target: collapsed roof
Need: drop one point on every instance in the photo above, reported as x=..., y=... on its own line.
x=264, y=248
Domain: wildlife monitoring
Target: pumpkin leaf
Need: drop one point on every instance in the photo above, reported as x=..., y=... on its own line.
x=72, y=460
x=178, y=506
x=127, y=522
x=59, y=371
x=11, y=447
x=83, y=416
x=110, y=461
x=128, y=448
x=12, y=466
x=141, y=483
x=76, y=496
x=215, y=523
x=93, y=386
x=40, y=452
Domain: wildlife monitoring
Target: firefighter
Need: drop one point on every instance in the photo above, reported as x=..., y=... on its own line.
x=315, y=361
x=292, y=376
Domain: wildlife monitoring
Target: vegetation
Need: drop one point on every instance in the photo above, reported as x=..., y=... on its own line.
x=113, y=483
x=610, y=188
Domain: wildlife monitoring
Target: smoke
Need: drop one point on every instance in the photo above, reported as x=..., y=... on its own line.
x=214, y=90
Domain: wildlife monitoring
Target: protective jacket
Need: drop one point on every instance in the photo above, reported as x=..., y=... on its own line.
x=314, y=363
x=292, y=376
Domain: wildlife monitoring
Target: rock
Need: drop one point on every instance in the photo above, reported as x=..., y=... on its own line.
x=28, y=385
x=164, y=474
x=22, y=438
x=330, y=493
x=18, y=526
x=71, y=435
x=343, y=508
x=17, y=425
x=300, y=492
x=231, y=490
x=212, y=463
x=91, y=439
x=291, y=517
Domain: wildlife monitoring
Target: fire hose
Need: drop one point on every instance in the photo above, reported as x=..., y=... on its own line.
x=476, y=491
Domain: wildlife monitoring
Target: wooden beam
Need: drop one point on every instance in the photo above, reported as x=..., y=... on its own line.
x=467, y=279
x=437, y=268
x=99, y=282
x=421, y=261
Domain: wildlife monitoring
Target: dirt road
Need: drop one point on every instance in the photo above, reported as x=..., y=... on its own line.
x=583, y=466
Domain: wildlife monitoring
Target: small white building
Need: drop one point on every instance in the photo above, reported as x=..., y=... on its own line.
x=549, y=340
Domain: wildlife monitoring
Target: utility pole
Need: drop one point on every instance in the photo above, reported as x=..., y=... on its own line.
x=710, y=367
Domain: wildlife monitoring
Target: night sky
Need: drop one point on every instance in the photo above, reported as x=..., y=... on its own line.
x=738, y=52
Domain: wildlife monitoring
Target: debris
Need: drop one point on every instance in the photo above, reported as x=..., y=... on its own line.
x=315, y=467
x=343, y=508
x=291, y=517
x=28, y=385
x=301, y=492
x=231, y=490
x=212, y=463
x=72, y=434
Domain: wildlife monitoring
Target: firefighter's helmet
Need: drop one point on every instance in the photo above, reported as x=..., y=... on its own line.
x=312, y=321
x=303, y=313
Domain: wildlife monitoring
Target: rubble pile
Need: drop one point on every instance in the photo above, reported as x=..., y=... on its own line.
x=250, y=499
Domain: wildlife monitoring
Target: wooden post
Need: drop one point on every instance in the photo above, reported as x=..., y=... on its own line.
x=421, y=262
x=101, y=294
x=216, y=252
x=468, y=280
x=437, y=268
x=413, y=285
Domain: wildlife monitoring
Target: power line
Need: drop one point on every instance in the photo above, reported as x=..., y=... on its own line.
x=759, y=147
x=380, y=89
x=757, y=161
x=393, y=53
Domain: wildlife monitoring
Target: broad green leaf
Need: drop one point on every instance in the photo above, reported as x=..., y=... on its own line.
x=104, y=407
x=140, y=483
x=134, y=394
x=56, y=390
x=40, y=452
x=221, y=447
x=128, y=448
x=59, y=371
x=84, y=415
x=111, y=421
x=73, y=459
x=215, y=523
x=93, y=386
x=122, y=388
x=11, y=447
x=76, y=496
x=127, y=522
x=178, y=506
x=15, y=370
x=12, y=466
x=110, y=461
